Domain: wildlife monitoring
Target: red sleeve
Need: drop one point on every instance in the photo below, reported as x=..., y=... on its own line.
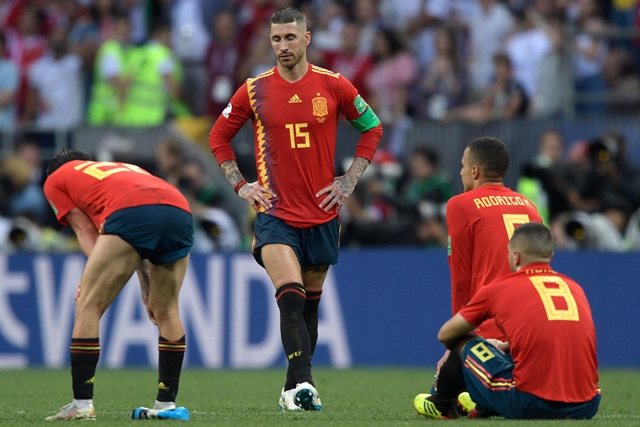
x=479, y=308
x=460, y=252
x=228, y=124
x=348, y=98
x=368, y=142
x=58, y=199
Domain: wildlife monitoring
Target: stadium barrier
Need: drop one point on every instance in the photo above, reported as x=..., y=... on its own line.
x=379, y=308
x=520, y=135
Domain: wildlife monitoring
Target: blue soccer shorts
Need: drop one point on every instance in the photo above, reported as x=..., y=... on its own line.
x=313, y=246
x=159, y=233
x=488, y=375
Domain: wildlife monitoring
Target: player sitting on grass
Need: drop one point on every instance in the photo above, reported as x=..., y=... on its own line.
x=548, y=368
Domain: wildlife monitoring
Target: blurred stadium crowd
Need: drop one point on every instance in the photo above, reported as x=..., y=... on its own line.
x=142, y=63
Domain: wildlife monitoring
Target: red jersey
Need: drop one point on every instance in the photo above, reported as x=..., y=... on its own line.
x=100, y=188
x=295, y=126
x=547, y=320
x=480, y=223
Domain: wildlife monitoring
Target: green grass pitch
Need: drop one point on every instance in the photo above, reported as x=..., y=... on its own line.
x=356, y=397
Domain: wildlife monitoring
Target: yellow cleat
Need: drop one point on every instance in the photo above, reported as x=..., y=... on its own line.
x=423, y=403
x=465, y=403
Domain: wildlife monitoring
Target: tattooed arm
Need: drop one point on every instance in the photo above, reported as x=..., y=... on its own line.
x=343, y=186
x=231, y=172
x=253, y=192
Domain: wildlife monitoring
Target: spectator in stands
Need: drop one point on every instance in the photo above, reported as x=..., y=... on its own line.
x=215, y=229
x=618, y=211
x=488, y=28
x=326, y=25
x=349, y=61
x=223, y=57
x=616, y=144
x=153, y=82
x=505, y=98
x=541, y=178
x=621, y=77
x=189, y=40
x=622, y=16
x=418, y=20
x=169, y=160
x=366, y=15
x=427, y=192
x=111, y=76
x=59, y=12
x=259, y=57
x=394, y=72
x=581, y=230
x=89, y=27
x=604, y=172
x=426, y=183
x=590, y=55
x=25, y=45
x=55, y=99
x=194, y=183
x=21, y=181
x=368, y=217
x=443, y=86
x=555, y=69
x=9, y=81
x=412, y=215
x=526, y=47
x=103, y=17
x=29, y=151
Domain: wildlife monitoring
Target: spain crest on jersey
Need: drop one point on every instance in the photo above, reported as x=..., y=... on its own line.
x=320, y=106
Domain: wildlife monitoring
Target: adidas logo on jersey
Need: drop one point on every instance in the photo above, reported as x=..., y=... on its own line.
x=295, y=99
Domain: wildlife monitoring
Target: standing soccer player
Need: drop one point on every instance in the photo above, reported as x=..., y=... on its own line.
x=294, y=109
x=126, y=220
x=548, y=368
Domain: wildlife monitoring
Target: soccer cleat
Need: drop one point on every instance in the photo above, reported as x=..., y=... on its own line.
x=424, y=404
x=465, y=403
x=73, y=412
x=142, y=413
x=286, y=402
x=306, y=396
x=303, y=397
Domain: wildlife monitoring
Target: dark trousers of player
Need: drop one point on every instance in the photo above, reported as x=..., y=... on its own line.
x=85, y=353
x=488, y=377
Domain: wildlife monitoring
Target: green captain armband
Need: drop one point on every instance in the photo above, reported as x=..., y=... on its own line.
x=367, y=121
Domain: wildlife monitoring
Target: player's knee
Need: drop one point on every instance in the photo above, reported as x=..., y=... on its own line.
x=164, y=313
x=91, y=308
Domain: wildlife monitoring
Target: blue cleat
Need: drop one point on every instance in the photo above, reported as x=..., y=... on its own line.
x=179, y=413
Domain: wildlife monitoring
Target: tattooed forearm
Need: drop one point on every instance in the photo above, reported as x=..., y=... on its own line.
x=231, y=171
x=358, y=167
x=354, y=173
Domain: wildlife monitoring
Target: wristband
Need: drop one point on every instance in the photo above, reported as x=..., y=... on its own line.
x=240, y=185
